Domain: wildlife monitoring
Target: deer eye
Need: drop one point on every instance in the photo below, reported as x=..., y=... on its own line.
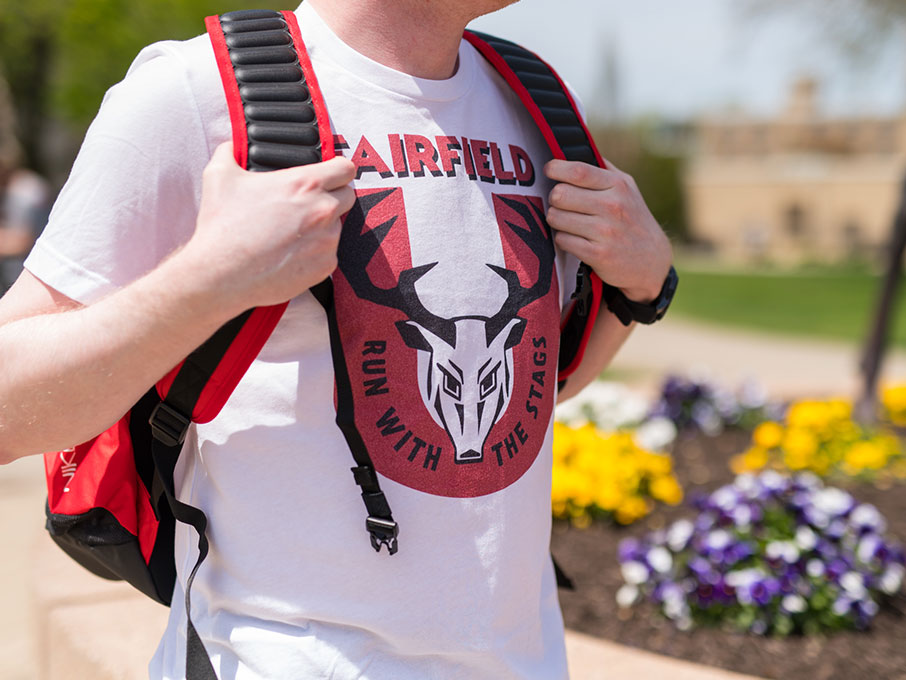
x=488, y=383
x=451, y=384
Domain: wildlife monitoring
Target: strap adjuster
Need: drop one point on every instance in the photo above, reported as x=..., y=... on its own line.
x=583, y=292
x=168, y=426
x=383, y=532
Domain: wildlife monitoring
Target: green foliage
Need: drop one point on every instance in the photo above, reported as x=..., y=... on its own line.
x=60, y=56
x=813, y=302
x=659, y=180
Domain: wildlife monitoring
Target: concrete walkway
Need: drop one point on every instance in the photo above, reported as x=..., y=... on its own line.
x=47, y=599
x=786, y=367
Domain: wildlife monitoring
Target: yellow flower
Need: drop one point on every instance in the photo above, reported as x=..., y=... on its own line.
x=631, y=510
x=756, y=458
x=893, y=398
x=799, y=446
x=667, y=490
x=866, y=455
x=768, y=435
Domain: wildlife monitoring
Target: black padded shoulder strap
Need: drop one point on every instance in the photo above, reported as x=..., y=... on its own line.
x=551, y=105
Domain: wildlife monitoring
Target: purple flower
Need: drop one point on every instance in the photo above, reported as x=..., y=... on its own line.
x=630, y=549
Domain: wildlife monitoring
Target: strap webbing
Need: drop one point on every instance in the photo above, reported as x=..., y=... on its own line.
x=380, y=523
x=198, y=664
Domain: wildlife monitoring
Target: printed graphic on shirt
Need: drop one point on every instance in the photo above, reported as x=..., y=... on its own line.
x=449, y=404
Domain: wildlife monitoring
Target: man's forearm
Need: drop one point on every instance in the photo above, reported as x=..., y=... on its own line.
x=606, y=338
x=68, y=376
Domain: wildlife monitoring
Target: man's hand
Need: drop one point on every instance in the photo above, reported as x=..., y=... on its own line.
x=263, y=238
x=602, y=219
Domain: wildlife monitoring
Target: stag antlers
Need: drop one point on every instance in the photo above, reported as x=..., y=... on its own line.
x=357, y=250
x=537, y=240
x=358, y=246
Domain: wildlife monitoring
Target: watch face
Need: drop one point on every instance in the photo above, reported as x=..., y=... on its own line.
x=667, y=292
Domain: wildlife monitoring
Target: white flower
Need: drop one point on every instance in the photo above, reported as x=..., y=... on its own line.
x=718, y=539
x=627, y=595
x=742, y=516
x=867, y=548
x=842, y=605
x=684, y=623
x=753, y=394
x=675, y=606
x=744, y=577
x=867, y=516
x=655, y=434
x=794, y=604
x=725, y=498
x=772, y=480
x=747, y=485
x=679, y=533
x=809, y=480
x=815, y=568
x=660, y=559
x=634, y=573
x=854, y=585
x=892, y=579
x=782, y=550
x=870, y=607
x=571, y=413
x=832, y=501
x=806, y=539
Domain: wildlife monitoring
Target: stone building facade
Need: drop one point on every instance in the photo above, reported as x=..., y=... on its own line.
x=799, y=187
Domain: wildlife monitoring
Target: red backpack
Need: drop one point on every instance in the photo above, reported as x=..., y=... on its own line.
x=111, y=502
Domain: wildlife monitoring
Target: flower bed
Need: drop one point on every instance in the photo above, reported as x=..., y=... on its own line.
x=590, y=556
x=768, y=554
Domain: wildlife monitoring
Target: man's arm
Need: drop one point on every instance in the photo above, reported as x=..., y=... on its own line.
x=601, y=218
x=69, y=372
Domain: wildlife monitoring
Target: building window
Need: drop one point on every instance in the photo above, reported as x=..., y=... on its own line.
x=795, y=222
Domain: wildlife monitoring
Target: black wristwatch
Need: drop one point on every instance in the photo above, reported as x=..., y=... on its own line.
x=628, y=311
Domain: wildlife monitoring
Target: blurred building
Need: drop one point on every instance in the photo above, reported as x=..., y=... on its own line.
x=801, y=186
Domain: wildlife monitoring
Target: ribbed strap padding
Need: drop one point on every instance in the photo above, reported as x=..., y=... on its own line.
x=545, y=88
x=279, y=112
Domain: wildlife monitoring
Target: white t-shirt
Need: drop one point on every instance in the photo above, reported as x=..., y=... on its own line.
x=454, y=376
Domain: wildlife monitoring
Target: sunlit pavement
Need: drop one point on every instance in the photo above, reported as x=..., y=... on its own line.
x=785, y=367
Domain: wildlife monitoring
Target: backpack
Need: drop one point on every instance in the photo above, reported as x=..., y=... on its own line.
x=111, y=501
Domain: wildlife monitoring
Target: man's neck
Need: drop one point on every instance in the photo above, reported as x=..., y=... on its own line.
x=418, y=37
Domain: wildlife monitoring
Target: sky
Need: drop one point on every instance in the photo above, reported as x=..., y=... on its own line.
x=681, y=59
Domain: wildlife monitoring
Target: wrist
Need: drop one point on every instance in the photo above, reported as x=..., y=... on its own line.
x=649, y=292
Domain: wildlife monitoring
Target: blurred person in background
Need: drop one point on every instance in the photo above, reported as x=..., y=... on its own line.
x=24, y=200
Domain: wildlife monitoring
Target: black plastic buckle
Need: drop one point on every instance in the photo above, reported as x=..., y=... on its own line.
x=583, y=292
x=168, y=426
x=383, y=532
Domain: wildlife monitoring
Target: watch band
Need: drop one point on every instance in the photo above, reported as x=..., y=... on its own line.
x=627, y=310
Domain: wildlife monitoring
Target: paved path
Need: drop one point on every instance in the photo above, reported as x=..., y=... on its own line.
x=786, y=368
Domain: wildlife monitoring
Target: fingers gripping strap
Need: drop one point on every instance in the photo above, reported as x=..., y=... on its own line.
x=554, y=111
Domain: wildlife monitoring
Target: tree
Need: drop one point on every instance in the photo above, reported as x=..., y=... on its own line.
x=60, y=56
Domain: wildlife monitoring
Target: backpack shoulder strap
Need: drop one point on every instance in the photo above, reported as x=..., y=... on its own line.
x=552, y=107
x=278, y=120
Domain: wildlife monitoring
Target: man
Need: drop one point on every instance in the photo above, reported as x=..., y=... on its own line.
x=159, y=238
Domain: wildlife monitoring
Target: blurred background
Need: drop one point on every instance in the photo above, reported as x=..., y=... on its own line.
x=768, y=136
